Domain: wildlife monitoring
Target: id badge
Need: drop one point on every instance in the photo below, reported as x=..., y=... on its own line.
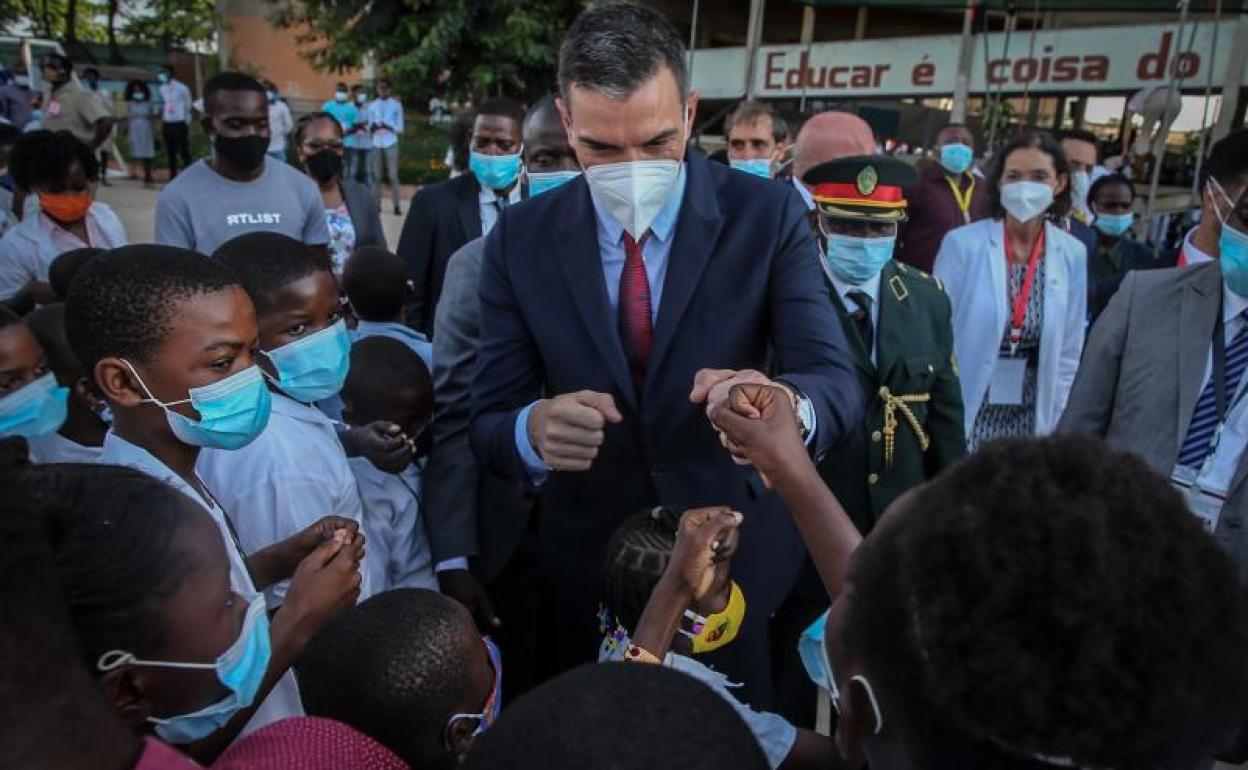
x=54, y=108
x=1008, y=376
x=1204, y=504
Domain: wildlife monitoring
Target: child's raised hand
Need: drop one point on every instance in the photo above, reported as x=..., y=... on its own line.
x=385, y=446
x=758, y=423
x=706, y=539
x=326, y=582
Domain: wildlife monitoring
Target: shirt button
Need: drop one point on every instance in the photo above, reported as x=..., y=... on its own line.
x=876, y=436
x=873, y=478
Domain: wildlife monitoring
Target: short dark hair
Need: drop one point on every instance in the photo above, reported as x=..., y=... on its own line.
x=1228, y=160
x=375, y=281
x=541, y=107
x=751, y=110
x=618, y=715
x=1080, y=135
x=301, y=125
x=91, y=70
x=8, y=317
x=122, y=302
x=264, y=262
x=380, y=366
x=134, y=87
x=229, y=81
x=47, y=323
x=66, y=265
x=394, y=667
x=341, y=85
x=1039, y=140
x=635, y=559
x=614, y=48
x=1108, y=181
x=42, y=157
x=59, y=59
x=503, y=107
x=1025, y=604
x=112, y=531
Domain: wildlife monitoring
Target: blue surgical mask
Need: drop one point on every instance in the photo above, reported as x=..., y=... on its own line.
x=540, y=182
x=857, y=260
x=241, y=668
x=35, y=409
x=232, y=412
x=1232, y=248
x=756, y=166
x=956, y=158
x=1113, y=225
x=315, y=367
x=814, y=655
x=494, y=172
x=162, y=77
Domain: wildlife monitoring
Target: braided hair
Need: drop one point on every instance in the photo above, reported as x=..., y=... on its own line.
x=636, y=557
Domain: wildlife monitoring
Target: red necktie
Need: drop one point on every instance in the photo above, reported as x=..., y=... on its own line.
x=636, y=326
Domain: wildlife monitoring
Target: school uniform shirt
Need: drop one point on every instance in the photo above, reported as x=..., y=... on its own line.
x=418, y=342
x=294, y=474
x=971, y=264
x=55, y=448
x=28, y=248
x=283, y=700
x=775, y=735
x=395, y=530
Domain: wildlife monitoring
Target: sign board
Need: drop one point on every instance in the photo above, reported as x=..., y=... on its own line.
x=1084, y=60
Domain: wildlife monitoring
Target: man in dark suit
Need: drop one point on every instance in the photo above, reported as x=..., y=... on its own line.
x=472, y=512
x=445, y=216
x=616, y=308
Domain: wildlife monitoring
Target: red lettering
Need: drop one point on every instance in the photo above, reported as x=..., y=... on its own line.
x=1152, y=66
x=794, y=78
x=1188, y=65
x=1095, y=69
x=861, y=77
x=773, y=69
x=832, y=73
x=1024, y=70
x=997, y=69
x=923, y=74
x=1065, y=69
x=880, y=69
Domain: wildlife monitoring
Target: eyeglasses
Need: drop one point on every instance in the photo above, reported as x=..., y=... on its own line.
x=316, y=145
x=493, y=703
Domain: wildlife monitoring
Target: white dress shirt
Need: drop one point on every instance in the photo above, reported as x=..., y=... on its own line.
x=27, y=249
x=177, y=102
x=387, y=111
x=872, y=289
x=55, y=448
x=283, y=700
x=489, y=206
x=291, y=476
x=1191, y=253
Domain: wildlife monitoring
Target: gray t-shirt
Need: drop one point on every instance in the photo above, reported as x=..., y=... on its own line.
x=200, y=209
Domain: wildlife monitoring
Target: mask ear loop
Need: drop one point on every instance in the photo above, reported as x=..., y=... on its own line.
x=875, y=704
x=117, y=658
x=151, y=399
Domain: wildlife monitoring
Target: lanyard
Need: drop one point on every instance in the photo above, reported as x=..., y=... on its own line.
x=963, y=199
x=1020, y=301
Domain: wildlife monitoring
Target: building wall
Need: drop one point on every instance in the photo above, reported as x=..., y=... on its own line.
x=255, y=45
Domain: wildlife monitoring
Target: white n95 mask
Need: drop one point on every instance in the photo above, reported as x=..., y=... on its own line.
x=634, y=192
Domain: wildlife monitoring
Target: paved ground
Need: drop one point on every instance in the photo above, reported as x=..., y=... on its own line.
x=137, y=208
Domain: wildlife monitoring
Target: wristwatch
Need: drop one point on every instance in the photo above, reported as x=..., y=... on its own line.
x=802, y=408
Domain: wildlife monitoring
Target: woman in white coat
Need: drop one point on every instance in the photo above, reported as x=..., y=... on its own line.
x=1018, y=284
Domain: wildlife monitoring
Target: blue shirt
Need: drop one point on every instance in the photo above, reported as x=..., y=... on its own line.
x=344, y=112
x=418, y=342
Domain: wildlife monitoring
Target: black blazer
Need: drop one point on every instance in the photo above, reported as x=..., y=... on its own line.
x=441, y=218
x=362, y=207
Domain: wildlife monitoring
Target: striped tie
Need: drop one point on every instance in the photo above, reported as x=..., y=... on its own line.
x=636, y=324
x=1205, y=420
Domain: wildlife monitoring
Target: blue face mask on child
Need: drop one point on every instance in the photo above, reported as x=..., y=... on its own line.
x=35, y=409
x=241, y=668
x=494, y=172
x=540, y=182
x=315, y=367
x=232, y=412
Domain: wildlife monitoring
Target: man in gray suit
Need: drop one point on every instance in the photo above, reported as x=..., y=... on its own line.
x=484, y=516
x=1164, y=367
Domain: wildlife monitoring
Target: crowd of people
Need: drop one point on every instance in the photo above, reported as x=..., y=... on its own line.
x=624, y=457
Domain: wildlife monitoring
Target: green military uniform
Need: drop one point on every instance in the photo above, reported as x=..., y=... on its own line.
x=913, y=425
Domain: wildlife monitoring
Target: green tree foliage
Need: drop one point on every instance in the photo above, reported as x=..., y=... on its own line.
x=167, y=24
x=464, y=48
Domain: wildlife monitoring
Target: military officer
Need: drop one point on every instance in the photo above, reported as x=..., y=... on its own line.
x=897, y=321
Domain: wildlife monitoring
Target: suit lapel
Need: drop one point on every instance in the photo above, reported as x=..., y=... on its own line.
x=581, y=260
x=697, y=231
x=468, y=208
x=1197, y=316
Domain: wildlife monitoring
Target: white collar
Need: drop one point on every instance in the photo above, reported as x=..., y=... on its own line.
x=489, y=196
x=1191, y=252
x=289, y=407
x=871, y=288
x=1233, y=304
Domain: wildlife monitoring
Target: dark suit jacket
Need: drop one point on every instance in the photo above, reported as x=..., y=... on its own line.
x=743, y=279
x=362, y=207
x=441, y=218
x=914, y=355
x=470, y=511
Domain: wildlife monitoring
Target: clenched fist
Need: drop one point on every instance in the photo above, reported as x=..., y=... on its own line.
x=567, y=430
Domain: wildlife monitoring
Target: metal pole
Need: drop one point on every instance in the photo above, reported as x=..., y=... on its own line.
x=693, y=39
x=1204, y=113
x=1032, y=110
x=966, y=56
x=808, y=37
x=754, y=33
x=1164, y=129
x=1010, y=21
